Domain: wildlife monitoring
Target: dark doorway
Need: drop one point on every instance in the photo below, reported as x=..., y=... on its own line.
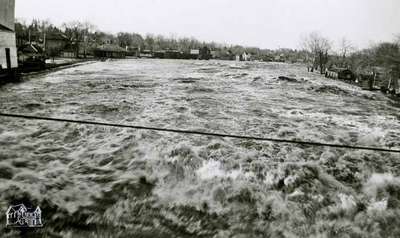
x=8, y=58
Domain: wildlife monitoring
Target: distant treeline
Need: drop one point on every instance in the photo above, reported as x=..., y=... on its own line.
x=77, y=33
x=316, y=50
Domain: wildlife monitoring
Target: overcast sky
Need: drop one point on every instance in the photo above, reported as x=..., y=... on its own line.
x=263, y=23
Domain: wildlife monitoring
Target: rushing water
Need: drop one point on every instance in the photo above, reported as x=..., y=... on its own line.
x=93, y=181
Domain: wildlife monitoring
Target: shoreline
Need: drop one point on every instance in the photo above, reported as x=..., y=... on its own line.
x=50, y=67
x=53, y=67
x=393, y=97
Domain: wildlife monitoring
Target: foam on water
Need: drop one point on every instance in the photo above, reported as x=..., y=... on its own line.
x=110, y=182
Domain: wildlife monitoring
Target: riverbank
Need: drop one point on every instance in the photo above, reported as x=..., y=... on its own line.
x=60, y=64
x=51, y=65
x=392, y=96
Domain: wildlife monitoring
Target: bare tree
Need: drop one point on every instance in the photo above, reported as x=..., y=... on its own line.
x=130, y=39
x=345, y=47
x=387, y=55
x=73, y=31
x=89, y=27
x=398, y=39
x=318, y=46
x=78, y=33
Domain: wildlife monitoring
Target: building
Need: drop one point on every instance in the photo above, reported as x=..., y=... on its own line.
x=159, y=54
x=8, y=49
x=133, y=51
x=20, y=216
x=69, y=51
x=109, y=51
x=146, y=54
x=173, y=54
x=54, y=43
x=194, y=54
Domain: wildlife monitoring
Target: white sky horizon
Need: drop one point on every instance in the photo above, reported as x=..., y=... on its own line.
x=268, y=24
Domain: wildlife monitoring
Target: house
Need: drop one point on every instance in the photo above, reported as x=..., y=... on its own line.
x=70, y=50
x=8, y=48
x=109, y=51
x=54, y=43
x=133, y=51
x=20, y=216
x=107, y=40
x=74, y=48
x=194, y=54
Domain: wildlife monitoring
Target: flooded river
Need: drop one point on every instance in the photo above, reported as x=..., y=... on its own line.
x=94, y=181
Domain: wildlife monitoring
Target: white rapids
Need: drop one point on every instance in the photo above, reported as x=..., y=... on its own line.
x=93, y=181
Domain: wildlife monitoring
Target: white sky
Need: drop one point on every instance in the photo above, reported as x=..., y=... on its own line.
x=263, y=23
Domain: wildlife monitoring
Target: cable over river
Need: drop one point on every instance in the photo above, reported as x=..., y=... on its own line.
x=99, y=181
